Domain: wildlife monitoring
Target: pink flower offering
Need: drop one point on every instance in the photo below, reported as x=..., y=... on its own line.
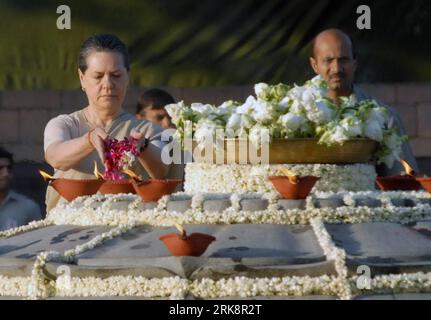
x=118, y=156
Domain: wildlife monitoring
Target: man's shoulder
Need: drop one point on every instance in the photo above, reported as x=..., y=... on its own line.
x=22, y=198
x=22, y=209
x=361, y=94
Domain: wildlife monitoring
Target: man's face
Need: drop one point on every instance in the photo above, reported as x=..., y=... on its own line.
x=333, y=61
x=5, y=174
x=158, y=116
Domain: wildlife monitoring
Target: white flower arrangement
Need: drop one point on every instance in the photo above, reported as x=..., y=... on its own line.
x=103, y=214
x=293, y=112
x=203, y=177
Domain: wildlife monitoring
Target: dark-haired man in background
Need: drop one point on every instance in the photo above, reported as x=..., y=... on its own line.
x=151, y=107
x=15, y=209
x=334, y=59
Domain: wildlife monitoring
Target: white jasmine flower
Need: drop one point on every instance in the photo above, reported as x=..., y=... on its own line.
x=379, y=115
x=320, y=113
x=352, y=126
x=174, y=109
x=234, y=122
x=204, y=109
x=261, y=89
x=392, y=141
x=247, y=107
x=263, y=111
x=373, y=130
x=297, y=108
x=339, y=135
x=284, y=103
x=292, y=121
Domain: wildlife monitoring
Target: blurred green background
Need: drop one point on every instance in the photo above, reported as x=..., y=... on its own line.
x=192, y=43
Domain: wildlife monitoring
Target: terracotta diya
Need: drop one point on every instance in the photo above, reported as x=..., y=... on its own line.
x=152, y=189
x=425, y=183
x=117, y=186
x=184, y=245
x=401, y=182
x=72, y=188
x=291, y=186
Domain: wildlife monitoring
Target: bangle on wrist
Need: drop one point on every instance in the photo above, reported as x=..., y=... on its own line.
x=89, y=138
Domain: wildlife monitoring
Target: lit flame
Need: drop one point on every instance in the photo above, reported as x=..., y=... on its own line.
x=47, y=177
x=293, y=178
x=181, y=229
x=133, y=175
x=97, y=172
x=407, y=168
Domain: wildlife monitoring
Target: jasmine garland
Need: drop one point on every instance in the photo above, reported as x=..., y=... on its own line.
x=122, y=209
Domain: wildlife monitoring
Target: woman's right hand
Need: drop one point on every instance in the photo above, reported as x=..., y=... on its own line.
x=96, y=137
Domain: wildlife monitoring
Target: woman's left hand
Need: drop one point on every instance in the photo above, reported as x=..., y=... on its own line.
x=140, y=136
x=150, y=156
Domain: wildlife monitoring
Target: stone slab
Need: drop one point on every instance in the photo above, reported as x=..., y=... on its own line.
x=382, y=244
x=233, y=241
x=287, y=204
x=59, y=238
x=147, y=205
x=179, y=205
x=329, y=203
x=367, y=202
x=252, y=250
x=253, y=204
x=17, y=253
x=216, y=205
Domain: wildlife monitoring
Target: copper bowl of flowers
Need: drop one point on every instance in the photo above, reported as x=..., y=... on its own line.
x=117, y=186
x=294, y=189
x=187, y=245
x=154, y=189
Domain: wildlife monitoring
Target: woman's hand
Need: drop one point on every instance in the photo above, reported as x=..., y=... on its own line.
x=96, y=138
x=67, y=154
x=150, y=157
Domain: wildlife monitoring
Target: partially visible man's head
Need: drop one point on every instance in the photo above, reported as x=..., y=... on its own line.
x=151, y=107
x=334, y=59
x=6, y=162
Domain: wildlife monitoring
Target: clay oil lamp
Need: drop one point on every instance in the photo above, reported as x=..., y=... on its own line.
x=186, y=245
x=70, y=189
x=425, y=182
x=405, y=181
x=152, y=189
x=117, y=186
x=291, y=186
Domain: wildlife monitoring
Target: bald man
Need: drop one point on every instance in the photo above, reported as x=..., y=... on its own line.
x=334, y=59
